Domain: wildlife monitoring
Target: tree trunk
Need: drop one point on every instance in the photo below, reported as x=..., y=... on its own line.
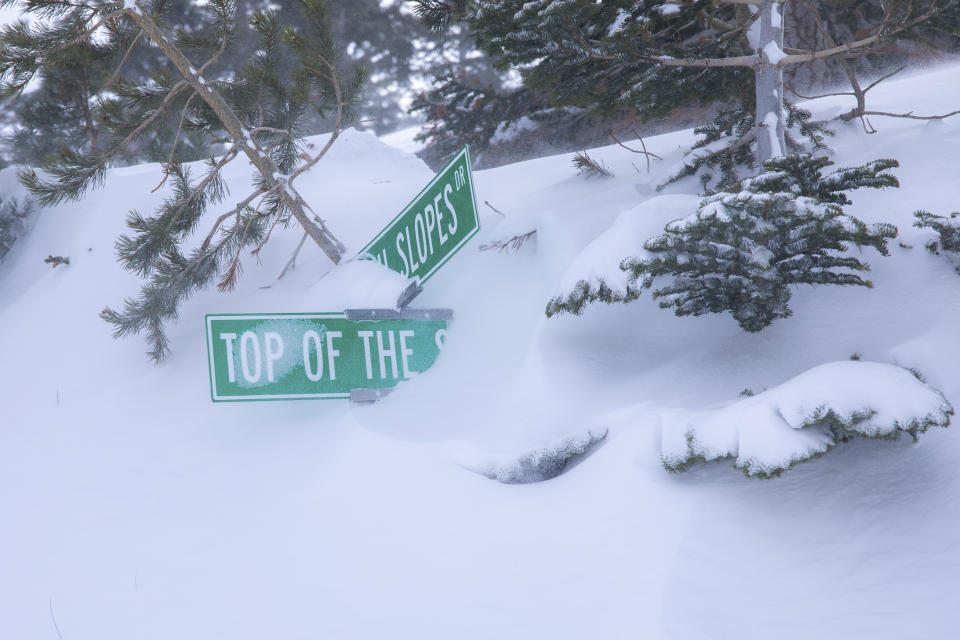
x=770, y=115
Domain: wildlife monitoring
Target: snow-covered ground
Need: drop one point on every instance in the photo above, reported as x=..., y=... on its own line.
x=133, y=507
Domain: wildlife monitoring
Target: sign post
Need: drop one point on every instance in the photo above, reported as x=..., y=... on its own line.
x=440, y=220
x=320, y=355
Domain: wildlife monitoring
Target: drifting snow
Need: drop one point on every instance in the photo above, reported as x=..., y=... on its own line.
x=598, y=265
x=358, y=284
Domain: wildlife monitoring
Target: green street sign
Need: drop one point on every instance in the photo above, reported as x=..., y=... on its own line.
x=433, y=227
x=357, y=353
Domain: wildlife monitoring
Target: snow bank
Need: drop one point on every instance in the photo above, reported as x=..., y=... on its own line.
x=359, y=284
x=805, y=417
x=597, y=267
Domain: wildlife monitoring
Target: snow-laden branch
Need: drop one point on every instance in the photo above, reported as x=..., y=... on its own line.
x=805, y=417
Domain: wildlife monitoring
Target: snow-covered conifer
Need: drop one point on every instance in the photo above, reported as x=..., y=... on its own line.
x=744, y=248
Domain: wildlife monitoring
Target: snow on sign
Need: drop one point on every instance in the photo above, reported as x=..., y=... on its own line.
x=289, y=356
x=440, y=220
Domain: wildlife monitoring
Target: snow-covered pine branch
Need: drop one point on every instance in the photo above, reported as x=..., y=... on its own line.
x=743, y=250
x=805, y=417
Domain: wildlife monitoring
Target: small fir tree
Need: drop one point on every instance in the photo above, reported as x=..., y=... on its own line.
x=743, y=249
x=254, y=111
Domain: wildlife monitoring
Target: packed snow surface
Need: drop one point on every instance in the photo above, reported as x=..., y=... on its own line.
x=135, y=508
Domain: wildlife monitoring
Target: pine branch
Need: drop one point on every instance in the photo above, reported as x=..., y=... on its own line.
x=590, y=168
x=263, y=163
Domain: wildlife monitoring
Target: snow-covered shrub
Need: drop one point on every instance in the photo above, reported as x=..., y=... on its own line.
x=804, y=418
x=743, y=249
x=543, y=463
x=947, y=228
x=13, y=220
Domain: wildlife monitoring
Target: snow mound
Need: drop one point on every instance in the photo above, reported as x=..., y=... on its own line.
x=358, y=284
x=805, y=417
x=540, y=464
x=595, y=274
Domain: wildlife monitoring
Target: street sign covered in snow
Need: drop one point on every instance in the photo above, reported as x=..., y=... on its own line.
x=440, y=220
x=320, y=355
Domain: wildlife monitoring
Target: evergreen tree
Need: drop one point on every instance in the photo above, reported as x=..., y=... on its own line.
x=256, y=110
x=649, y=56
x=743, y=249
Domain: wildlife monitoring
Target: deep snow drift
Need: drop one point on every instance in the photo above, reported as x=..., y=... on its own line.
x=135, y=507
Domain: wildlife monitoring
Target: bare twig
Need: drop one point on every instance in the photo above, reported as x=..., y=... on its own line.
x=882, y=78
x=910, y=115
x=53, y=617
x=510, y=243
x=487, y=202
x=816, y=97
x=292, y=262
x=643, y=144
